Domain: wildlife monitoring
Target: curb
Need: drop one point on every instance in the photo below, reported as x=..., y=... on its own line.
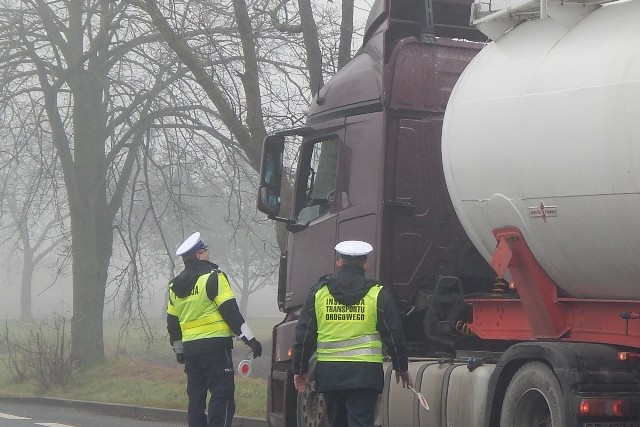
x=127, y=411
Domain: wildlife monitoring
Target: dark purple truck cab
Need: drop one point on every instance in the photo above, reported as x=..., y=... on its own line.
x=370, y=168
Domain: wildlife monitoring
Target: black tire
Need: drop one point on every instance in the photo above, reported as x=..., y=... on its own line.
x=533, y=398
x=311, y=409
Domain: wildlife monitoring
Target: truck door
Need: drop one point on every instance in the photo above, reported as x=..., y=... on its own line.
x=359, y=183
x=310, y=250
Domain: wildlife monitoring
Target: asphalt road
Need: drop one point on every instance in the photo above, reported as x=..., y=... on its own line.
x=34, y=412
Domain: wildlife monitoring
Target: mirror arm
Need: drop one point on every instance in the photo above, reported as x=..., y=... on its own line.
x=296, y=226
x=287, y=221
x=290, y=224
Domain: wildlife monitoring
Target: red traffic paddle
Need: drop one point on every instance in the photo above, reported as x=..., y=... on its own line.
x=244, y=367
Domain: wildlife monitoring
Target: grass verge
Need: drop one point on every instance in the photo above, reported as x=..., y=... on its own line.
x=140, y=369
x=133, y=381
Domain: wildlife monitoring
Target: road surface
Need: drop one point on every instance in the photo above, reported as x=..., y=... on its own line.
x=55, y=413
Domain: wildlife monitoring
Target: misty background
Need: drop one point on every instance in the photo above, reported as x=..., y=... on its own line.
x=50, y=298
x=126, y=126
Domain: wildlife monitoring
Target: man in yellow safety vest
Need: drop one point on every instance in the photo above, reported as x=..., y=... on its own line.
x=202, y=318
x=346, y=318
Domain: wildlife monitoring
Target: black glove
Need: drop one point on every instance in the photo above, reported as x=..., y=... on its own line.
x=256, y=347
x=180, y=358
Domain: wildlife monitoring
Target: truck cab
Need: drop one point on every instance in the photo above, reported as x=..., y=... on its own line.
x=368, y=167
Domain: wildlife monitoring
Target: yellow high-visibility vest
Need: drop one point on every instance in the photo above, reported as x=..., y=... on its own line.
x=199, y=316
x=348, y=333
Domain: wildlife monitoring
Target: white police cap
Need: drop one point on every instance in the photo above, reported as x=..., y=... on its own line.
x=192, y=243
x=353, y=248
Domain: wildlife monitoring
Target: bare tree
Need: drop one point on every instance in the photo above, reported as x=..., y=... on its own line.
x=98, y=80
x=258, y=63
x=279, y=35
x=36, y=223
x=35, y=243
x=248, y=253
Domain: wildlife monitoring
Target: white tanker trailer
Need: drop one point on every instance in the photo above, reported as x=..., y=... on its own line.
x=499, y=183
x=542, y=132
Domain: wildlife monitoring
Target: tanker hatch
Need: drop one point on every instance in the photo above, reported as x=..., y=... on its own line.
x=495, y=18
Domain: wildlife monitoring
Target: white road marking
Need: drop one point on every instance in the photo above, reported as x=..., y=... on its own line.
x=52, y=425
x=12, y=417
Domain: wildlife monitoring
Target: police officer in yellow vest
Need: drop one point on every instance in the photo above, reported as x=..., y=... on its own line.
x=202, y=318
x=346, y=318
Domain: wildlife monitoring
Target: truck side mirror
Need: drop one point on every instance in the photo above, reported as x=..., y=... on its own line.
x=271, y=174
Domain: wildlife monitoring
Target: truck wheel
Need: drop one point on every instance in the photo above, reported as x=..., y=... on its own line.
x=533, y=398
x=311, y=410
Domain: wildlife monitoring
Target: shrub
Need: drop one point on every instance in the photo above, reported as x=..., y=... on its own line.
x=42, y=354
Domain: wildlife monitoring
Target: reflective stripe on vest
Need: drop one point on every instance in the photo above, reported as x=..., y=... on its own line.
x=199, y=316
x=347, y=343
x=348, y=333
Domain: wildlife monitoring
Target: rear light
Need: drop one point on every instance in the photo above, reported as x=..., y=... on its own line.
x=605, y=408
x=621, y=408
x=290, y=353
x=626, y=355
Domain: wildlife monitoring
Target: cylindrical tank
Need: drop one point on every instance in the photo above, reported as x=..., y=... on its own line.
x=542, y=132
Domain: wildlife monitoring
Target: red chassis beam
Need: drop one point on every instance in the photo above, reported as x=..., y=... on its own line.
x=539, y=314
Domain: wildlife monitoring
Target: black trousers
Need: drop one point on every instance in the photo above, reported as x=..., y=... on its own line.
x=212, y=372
x=351, y=408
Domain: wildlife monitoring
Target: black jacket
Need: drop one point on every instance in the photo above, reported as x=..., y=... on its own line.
x=182, y=285
x=348, y=287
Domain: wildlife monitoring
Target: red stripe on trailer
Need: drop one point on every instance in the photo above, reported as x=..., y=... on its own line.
x=539, y=314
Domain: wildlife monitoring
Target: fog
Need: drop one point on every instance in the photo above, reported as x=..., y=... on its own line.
x=50, y=298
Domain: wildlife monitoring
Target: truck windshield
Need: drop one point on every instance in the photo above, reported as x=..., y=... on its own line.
x=317, y=178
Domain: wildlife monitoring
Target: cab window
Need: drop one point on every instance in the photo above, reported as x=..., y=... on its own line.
x=317, y=178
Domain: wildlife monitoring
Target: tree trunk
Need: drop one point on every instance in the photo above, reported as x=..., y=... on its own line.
x=25, y=286
x=243, y=304
x=312, y=45
x=346, y=33
x=27, y=262
x=245, y=283
x=89, y=279
x=91, y=220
